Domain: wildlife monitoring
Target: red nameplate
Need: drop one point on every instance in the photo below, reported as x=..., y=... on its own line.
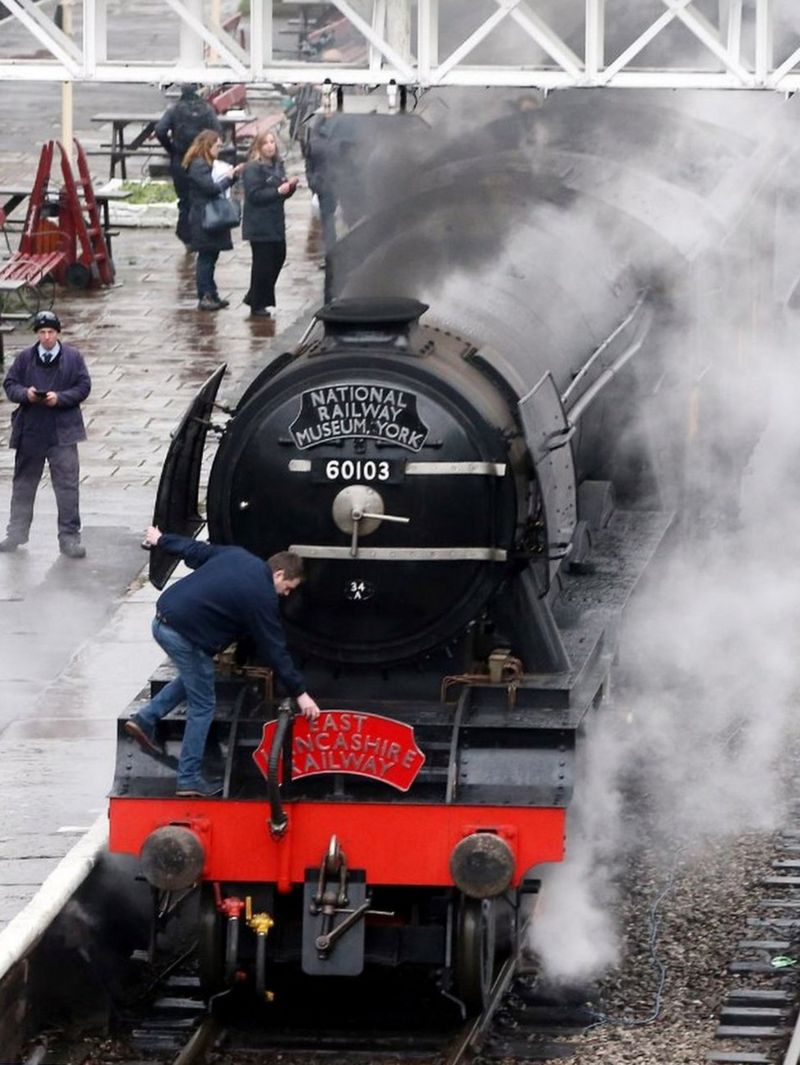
x=346, y=741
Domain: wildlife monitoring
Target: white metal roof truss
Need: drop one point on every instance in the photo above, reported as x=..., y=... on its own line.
x=734, y=51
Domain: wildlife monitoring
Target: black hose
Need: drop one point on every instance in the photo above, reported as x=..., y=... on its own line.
x=278, y=818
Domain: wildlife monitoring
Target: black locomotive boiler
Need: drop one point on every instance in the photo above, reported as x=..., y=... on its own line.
x=475, y=487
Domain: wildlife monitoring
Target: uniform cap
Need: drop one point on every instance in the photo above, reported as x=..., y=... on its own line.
x=46, y=320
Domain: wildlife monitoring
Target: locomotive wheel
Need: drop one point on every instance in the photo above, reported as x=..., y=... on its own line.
x=210, y=944
x=475, y=952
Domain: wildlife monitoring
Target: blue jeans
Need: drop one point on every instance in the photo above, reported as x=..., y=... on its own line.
x=195, y=684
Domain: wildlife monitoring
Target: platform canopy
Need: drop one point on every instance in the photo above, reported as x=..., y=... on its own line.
x=548, y=44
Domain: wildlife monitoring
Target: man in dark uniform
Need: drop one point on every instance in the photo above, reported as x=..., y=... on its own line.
x=176, y=130
x=49, y=381
x=231, y=594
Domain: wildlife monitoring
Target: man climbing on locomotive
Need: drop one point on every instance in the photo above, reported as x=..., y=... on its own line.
x=231, y=594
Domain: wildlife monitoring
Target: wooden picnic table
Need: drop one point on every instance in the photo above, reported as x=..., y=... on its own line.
x=120, y=149
x=12, y=196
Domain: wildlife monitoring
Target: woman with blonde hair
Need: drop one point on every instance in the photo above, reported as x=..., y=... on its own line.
x=198, y=163
x=266, y=188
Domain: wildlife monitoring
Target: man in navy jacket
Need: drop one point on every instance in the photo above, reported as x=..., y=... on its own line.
x=49, y=381
x=231, y=594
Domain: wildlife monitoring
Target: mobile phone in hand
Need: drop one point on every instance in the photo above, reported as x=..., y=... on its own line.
x=39, y=393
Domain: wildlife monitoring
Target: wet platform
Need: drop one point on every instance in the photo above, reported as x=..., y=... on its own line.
x=75, y=644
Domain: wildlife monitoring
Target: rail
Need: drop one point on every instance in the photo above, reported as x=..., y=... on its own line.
x=465, y=1045
x=200, y=1042
x=792, y=1056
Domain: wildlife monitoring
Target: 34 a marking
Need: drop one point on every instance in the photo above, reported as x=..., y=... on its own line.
x=359, y=591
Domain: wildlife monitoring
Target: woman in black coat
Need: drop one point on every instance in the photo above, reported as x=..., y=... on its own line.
x=266, y=188
x=198, y=163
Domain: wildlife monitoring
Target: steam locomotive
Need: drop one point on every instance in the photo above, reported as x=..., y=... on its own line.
x=477, y=448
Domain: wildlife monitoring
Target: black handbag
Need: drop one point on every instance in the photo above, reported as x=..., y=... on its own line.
x=220, y=214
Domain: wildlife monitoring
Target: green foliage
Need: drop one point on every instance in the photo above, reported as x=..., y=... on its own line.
x=149, y=191
x=244, y=7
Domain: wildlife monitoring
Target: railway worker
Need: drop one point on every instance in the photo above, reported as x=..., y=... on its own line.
x=49, y=381
x=266, y=189
x=176, y=131
x=231, y=594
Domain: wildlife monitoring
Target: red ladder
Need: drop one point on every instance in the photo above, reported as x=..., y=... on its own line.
x=91, y=260
x=43, y=246
x=40, y=233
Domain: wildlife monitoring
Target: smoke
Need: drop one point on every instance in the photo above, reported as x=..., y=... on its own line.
x=690, y=748
x=573, y=932
x=92, y=939
x=693, y=747
x=514, y=203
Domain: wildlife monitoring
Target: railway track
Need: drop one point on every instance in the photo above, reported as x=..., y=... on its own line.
x=519, y=1021
x=760, y=1020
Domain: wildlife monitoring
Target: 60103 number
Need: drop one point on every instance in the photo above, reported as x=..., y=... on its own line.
x=357, y=470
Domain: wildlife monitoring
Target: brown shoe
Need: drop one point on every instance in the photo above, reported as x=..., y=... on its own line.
x=148, y=743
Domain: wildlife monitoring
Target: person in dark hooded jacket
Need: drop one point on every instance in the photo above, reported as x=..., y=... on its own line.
x=266, y=189
x=49, y=381
x=176, y=131
x=198, y=164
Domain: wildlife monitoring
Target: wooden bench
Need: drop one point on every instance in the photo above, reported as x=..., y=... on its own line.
x=21, y=270
x=337, y=42
x=222, y=100
x=24, y=275
x=260, y=125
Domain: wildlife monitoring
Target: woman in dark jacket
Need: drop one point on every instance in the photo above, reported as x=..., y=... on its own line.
x=198, y=163
x=266, y=188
